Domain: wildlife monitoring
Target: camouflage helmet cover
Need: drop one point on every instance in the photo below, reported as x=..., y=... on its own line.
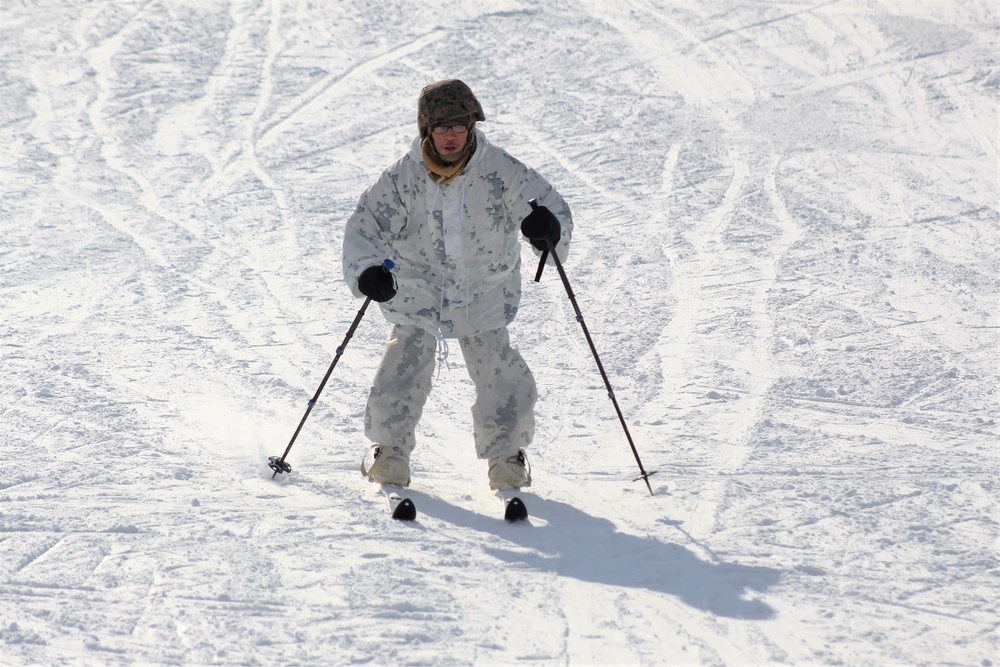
x=448, y=99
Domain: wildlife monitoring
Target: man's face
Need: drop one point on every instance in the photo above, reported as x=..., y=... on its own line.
x=449, y=144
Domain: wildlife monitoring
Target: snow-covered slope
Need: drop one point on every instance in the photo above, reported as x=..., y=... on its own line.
x=787, y=253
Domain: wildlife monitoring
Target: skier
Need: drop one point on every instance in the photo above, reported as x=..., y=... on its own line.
x=447, y=213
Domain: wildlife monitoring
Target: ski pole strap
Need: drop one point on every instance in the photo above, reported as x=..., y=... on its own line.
x=541, y=265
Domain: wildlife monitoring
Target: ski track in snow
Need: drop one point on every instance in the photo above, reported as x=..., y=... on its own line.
x=788, y=217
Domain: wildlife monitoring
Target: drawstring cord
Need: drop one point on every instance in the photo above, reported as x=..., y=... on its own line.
x=442, y=354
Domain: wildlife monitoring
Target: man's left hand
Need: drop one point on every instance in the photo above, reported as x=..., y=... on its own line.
x=540, y=226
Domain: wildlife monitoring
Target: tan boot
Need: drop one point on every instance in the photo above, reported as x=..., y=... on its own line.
x=512, y=471
x=390, y=465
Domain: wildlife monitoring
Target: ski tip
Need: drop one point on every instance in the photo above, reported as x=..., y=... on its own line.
x=516, y=511
x=405, y=511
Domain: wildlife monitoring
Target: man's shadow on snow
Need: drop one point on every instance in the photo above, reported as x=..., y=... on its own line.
x=580, y=546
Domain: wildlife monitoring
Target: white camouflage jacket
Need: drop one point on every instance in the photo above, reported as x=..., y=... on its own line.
x=457, y=247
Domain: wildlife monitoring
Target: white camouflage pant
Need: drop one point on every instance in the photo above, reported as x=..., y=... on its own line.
x=503, y=415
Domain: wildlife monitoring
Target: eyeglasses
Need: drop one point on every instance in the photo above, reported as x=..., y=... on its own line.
x=457, y=129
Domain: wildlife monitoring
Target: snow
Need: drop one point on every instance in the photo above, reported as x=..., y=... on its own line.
x=787, y=252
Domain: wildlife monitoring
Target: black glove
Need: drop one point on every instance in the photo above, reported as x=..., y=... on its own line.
x=541, y=225
x=377, y=284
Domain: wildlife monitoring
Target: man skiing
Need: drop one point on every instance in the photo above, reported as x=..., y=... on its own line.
x=447, y=213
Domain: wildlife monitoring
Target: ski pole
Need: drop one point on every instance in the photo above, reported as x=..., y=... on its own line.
x=607, y=383
x=278, y=464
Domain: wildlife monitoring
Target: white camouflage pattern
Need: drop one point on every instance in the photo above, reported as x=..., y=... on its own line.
x=456, y=246
x=503, y=415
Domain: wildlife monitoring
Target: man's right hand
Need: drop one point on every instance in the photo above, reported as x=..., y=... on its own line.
x=377, y=284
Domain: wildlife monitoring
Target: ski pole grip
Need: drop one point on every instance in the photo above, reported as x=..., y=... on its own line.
x=533, y=203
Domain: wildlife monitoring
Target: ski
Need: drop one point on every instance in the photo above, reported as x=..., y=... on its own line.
x=514, y=509
x=401, y=508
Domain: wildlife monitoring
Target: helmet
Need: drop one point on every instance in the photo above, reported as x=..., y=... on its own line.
x=448, y=99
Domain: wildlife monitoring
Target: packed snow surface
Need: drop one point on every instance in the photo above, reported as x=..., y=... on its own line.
x=787, y=252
